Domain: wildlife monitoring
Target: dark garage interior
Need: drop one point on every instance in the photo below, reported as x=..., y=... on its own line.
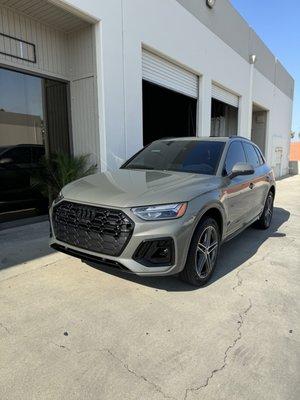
x=224, y=119
x=167, y=113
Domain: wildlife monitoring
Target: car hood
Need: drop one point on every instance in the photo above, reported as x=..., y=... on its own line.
x=129, y=188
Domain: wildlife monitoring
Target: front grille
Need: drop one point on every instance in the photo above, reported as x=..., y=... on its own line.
x=98, y=229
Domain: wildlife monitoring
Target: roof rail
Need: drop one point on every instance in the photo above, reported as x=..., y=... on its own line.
x=239, y=137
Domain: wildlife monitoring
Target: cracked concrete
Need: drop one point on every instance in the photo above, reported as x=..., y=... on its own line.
x=228, y=349
x=131, y=371
x=4, y=327
x=70, y=331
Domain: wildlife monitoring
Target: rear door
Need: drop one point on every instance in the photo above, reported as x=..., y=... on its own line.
x=260, y=183
x=237, y=193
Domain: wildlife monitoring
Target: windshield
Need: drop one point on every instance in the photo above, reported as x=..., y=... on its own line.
x=3, y=149
x=200, y=157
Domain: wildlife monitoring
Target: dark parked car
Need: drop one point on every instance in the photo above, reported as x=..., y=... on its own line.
x=168, y=209
x=17, y=166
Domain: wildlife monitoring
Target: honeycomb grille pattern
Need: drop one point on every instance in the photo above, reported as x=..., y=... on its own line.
x=97, y=229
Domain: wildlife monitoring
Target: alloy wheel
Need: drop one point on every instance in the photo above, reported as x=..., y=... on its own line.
x=268, y=210
x=206, y=252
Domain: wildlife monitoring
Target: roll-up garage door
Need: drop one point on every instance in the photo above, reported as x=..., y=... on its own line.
x=223, y=95
x=169, y=75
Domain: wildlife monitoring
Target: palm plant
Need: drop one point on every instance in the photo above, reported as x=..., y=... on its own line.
x=60, y=169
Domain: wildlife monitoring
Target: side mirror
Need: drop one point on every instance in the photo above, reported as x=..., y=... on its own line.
x=6, y=160
x=241, y=169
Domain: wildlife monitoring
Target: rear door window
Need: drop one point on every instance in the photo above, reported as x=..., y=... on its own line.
x=260, y=156
x=251, y=155
x=234, y=155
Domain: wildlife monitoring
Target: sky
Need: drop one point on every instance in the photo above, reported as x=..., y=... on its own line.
x=277, y=22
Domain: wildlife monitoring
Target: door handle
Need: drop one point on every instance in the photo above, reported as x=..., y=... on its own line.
x=251, y=185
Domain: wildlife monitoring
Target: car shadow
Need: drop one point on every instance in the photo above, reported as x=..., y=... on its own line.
x=22, y=244
x=233, y=254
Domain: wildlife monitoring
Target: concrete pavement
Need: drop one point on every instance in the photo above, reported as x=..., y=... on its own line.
x=71, y=331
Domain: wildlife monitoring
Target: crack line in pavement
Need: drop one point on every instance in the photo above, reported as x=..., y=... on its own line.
x=131, y=371
x=240, y=323
x=4, y=327
x=61, y=346
x=239, y=279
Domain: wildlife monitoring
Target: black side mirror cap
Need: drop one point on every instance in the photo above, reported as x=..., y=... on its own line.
x=240, y=169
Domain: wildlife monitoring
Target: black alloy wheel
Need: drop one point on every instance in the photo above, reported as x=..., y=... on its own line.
x=265, y=219
x=203, y=253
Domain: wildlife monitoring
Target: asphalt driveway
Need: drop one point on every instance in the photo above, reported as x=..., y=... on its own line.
x=71, y=331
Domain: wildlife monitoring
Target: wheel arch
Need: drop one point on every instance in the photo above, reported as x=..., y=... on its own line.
x=216, y=212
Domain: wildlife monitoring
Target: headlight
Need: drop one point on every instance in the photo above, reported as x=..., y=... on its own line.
x=58, y=198
x=164, y=211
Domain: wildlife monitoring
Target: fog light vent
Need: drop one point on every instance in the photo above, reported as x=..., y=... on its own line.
x=155, y=253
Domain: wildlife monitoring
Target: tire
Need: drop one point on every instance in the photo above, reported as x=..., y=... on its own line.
x=203, y=253
x=265, y=219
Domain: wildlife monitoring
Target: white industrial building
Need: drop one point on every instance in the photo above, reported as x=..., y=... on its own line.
x=106, y=77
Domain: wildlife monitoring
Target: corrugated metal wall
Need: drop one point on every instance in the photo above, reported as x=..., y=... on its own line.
x=69, y=56
x=81, y=55
x=51, y=44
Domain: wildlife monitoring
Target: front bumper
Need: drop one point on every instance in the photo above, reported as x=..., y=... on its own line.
x=179, y=230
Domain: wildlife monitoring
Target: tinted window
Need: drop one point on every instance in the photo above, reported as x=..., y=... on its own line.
x=260, y=156
x=235, y=155
x=3, y=149
x=19, y=155
x=24, y=93
x=200, y=157
x=37, y=153
x=251, y=154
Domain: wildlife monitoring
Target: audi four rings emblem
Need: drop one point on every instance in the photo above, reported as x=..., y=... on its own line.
x=85, y=215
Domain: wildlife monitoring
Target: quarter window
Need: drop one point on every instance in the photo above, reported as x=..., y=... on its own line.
x=260, y=156
x=251, y=154
x=235, y=155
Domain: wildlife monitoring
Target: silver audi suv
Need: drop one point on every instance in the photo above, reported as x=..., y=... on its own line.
x=168, y=209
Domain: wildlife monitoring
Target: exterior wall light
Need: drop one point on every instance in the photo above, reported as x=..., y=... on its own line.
x=210, y=3
x=252, y=59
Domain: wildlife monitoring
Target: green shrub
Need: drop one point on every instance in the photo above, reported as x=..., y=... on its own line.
x=60, y=169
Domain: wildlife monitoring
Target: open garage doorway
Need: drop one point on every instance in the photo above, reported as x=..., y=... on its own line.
x=167, y=113
x=259, y=126
x=224, y=119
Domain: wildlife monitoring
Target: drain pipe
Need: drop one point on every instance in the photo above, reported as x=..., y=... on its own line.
x=252, y=61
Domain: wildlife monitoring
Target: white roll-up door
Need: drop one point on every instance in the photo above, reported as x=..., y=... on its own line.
x=169, y=75
x=223, y=95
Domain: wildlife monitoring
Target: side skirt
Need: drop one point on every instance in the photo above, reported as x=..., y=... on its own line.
x=236, y=233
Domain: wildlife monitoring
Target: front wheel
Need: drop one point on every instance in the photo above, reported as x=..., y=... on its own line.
x=266, y=217
x=203, y=253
